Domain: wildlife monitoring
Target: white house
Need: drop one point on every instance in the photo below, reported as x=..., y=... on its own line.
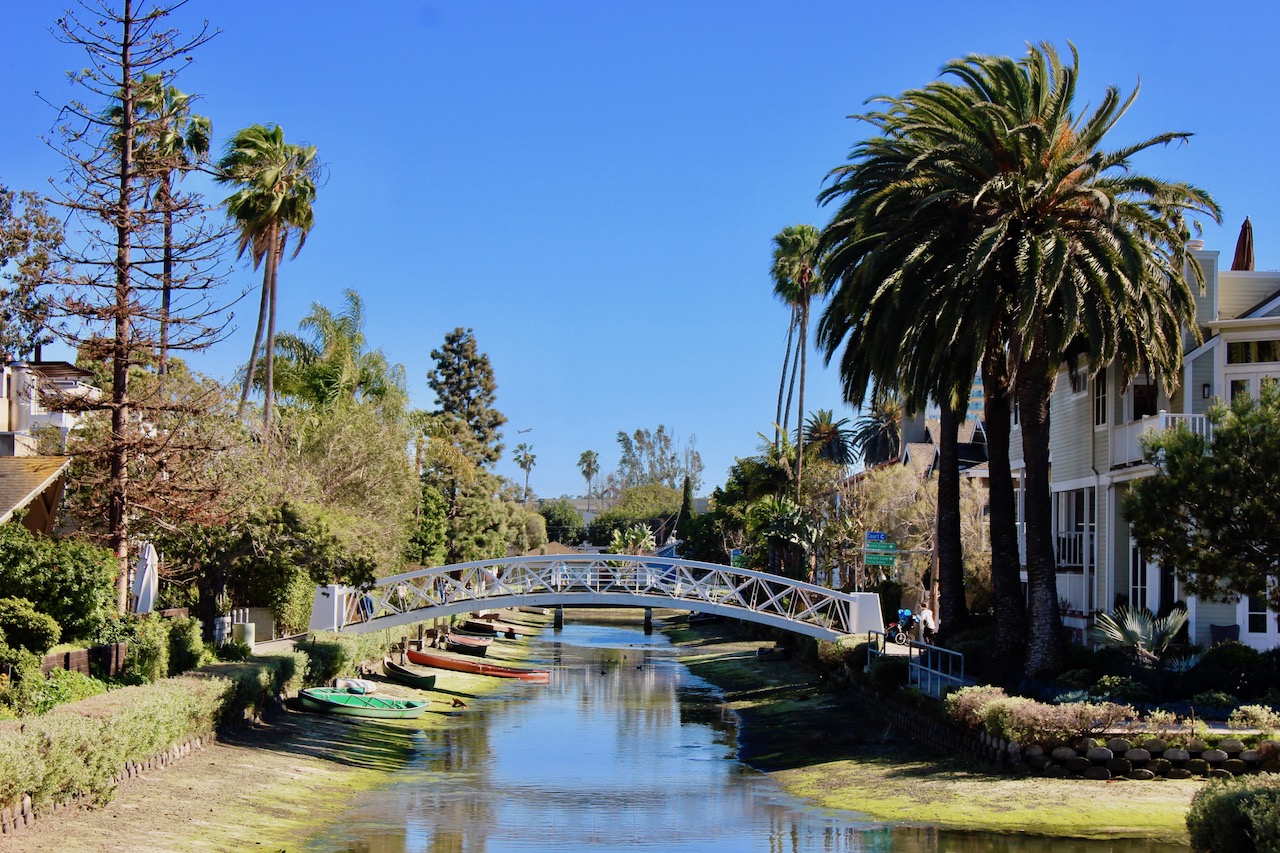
x=1096, y=453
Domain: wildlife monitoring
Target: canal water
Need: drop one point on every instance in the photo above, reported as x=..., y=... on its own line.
x=625, y=750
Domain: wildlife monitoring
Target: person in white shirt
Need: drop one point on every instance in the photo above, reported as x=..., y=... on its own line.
x=928, y=626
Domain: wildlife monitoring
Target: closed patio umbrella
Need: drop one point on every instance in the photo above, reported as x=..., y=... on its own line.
x=1244, y=247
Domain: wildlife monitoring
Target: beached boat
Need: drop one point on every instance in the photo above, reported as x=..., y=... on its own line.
x=474, y=629
x=537, y=611
x=408, y=676
x=466, y=645
x=331, y=700
x=458, y=663
x=493, y=626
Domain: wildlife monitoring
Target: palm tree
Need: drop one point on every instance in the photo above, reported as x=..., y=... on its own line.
x=831, y=438
x=877, y=435
x=330, y=367
x=989, y=211
x=589, y=465
x=796, y=280
x=277, y=186
x=169, y=142
x=525, y=459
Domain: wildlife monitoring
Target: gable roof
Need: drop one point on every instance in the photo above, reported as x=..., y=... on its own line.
x=34, y=483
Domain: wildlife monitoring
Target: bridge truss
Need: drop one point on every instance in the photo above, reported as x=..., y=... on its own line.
x=596, y=579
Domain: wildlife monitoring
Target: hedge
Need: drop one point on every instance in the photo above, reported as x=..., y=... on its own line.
x=78, y=750
x=1026, y=721
x=330, y=655
x=1236, y=816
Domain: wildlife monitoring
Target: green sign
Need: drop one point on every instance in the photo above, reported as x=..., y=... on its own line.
x=882, y=546
x=881, y=559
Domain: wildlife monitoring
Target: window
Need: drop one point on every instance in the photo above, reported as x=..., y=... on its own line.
x=1250, y=352
x=1144, y=397
x=1100, y=399
x=1257, y=617
x=1137, y=577
x=1015, y=413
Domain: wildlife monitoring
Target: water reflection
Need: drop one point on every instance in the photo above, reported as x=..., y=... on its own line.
x=624, y=750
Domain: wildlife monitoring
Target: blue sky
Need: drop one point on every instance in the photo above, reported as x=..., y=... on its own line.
x=593, y=187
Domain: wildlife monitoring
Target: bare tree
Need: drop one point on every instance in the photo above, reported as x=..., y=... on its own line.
x=119, y=255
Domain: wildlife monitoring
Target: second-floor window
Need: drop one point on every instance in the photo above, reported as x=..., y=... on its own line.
x=1100, y=399
x=1143, y=391
x=1077, y=374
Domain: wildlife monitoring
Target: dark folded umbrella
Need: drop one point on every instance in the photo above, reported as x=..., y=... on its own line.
x=1244, y=247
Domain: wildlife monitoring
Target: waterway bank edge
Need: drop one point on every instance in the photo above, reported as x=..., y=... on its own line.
x=832, y=748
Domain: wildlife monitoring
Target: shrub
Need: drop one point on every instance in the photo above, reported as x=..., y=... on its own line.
x=20, y=681
x=187, y=650
x=1258, y=717
x=1231, y=667
x=148, y=657
x=1161, y=723
x=330, y=655
x=1025, y=721
x=1077, y=679
x=62, y=686
x=73, y=581
x=965, y=706
x=1214, y=699
x=888, y=673
x=1120, y=688
x=26, y=628
x=1236, y=815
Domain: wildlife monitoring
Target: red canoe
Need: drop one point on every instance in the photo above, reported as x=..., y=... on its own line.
x=458, y=663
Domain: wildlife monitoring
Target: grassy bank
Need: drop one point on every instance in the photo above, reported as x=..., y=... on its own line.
x=843, y=753
x=266, y=787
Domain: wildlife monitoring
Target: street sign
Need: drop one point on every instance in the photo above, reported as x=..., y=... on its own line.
x=882, y=546
x=876, y=536
x=737, y=559
x=881, y=558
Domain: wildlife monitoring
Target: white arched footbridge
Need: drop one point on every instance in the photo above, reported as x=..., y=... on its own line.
x=595, y=579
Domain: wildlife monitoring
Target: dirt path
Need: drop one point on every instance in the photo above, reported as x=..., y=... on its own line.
x=833, y=748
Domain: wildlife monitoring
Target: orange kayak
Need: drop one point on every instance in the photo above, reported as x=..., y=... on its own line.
x=460, y=663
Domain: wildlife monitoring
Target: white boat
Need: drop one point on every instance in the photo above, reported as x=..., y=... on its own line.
x=539, y=611
x=356, y=685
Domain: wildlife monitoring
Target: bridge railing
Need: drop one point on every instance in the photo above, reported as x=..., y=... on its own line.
x=598, y=577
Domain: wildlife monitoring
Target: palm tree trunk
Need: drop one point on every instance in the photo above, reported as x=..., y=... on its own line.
x=257, y=337
x=268, y=404
x=1045, y=641
x=791, y=390
x=786, y=360
x=953, y=610
x=1006, y=565
x=804, y=328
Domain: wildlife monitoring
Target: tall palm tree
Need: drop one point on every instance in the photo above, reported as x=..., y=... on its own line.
x=525, y=459
x=589, y=465
x=988, y=209
x=796, y=280
x=169, y=141
x=877, y=434
x=277, y=186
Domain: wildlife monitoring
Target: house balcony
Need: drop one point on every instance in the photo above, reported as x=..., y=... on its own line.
x=1126, y=440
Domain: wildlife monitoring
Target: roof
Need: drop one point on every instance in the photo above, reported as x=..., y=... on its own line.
x=24, y=479
x=60, y=370
x=965, y=431
x=552, y=548
x=920, y=456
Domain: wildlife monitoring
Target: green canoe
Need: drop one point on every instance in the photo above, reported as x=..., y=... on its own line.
x=407, y=675
x=333, y=700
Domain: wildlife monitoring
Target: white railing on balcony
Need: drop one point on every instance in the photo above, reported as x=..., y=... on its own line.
x=1071, y=590
x=1072, y=548
x=1126, y=440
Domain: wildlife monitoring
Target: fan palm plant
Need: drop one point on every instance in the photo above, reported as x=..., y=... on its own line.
x=1138, y=632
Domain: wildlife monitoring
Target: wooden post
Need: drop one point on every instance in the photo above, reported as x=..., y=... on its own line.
x=558, y=622
x=648, y=621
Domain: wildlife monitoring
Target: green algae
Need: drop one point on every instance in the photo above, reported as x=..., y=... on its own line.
x=837, y=750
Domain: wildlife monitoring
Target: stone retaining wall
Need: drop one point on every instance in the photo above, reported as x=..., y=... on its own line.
x=1139, y=758
x=15, y=816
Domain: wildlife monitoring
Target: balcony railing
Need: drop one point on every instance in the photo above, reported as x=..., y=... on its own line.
x=1126, y=440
